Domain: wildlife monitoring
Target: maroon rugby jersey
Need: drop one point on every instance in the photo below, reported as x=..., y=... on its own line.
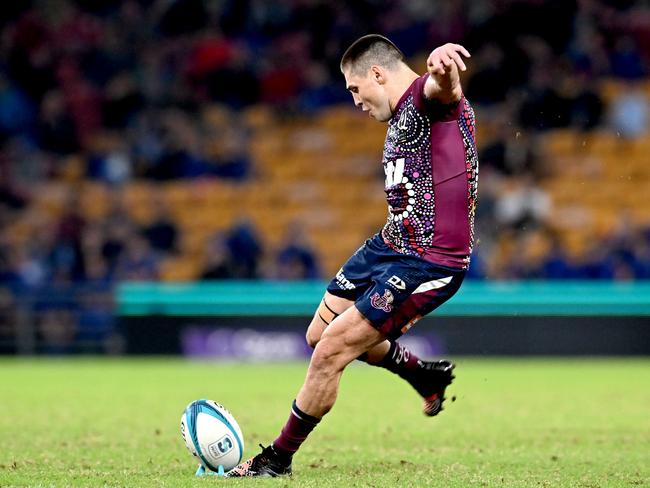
x=431, y=167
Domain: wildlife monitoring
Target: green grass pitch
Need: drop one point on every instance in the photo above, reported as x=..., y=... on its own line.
x=515, y=422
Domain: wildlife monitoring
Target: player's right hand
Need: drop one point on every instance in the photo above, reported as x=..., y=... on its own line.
x=442, y=59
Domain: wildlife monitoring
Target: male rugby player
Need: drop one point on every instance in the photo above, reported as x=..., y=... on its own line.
x=419, y=258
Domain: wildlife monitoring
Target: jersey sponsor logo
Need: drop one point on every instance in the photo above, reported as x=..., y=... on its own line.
x=343, y=282
x=396, y=282
x=394, y=171
x=384, y=302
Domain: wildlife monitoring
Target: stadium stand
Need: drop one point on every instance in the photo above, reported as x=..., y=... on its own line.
x=217, y=128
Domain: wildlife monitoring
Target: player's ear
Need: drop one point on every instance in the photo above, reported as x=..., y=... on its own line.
x=378, y=74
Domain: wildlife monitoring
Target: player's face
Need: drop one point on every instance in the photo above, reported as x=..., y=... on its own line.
x=369, y=94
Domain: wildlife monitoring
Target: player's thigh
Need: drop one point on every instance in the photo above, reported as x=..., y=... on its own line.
x=329, y=308
x=345, y=339
x=349, y=283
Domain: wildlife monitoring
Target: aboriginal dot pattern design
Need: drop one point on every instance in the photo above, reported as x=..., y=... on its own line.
x=409, y=187
x=468, y=130
x=411, y=205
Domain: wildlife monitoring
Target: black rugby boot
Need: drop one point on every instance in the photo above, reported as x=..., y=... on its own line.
x=432, y=379
x=268, y=464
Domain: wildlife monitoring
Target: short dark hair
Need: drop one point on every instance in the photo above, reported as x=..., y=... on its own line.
x=369, y=50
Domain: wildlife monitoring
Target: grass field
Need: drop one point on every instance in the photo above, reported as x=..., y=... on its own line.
x=96, y=422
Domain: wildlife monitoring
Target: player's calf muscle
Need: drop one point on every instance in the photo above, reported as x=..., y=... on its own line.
x=329, y=357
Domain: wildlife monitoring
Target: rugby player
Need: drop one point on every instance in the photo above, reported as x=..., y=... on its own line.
x=419, y=258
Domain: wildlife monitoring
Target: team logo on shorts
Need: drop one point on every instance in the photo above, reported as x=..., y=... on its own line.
x=396, y=282
x=384, y=302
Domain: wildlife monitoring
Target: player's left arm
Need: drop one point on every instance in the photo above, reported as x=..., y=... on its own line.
x=444, y=65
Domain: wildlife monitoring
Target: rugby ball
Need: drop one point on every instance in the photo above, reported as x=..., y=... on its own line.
x=212, y=435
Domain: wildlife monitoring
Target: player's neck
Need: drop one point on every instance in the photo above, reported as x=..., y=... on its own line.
x=403, y=78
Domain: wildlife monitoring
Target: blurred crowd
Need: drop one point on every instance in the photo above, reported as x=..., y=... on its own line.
x=116, y=90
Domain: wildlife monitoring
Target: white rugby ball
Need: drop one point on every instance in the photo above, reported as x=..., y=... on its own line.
x=212, y=435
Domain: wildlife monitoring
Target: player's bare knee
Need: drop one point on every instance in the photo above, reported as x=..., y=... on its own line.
x=314, y=331
x=324, y=315
x=311, y=338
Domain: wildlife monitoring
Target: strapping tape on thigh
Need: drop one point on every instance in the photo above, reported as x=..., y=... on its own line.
x=325, y=313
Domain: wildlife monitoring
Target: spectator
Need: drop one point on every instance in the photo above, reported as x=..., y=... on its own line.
x=95, y=262
x=513, y=152
x=295, y=260
x=117, y=229
x=319, y=92
x=137, y=262
x=232, y=160
x=182, y=152
x=66, y=258
x=557, y=264
x=625, y=60
x=234, y=84
x=56, y=130
x=109, y=159
x=629, y=112
x=218, y=261
x=11, y=197
x=17, y=113
x=162, y=233
x=641, y=257
x=543, y=107
x=122, y=100
x=489, y=84
x=32, y=270
x=521, y=204
x=8, y=274
x=246, y=251
x=586, y=105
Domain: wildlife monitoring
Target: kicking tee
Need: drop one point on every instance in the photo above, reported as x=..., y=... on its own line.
x=431, y=166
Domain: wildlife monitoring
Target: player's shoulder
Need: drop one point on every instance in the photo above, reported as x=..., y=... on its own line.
x=434, y=109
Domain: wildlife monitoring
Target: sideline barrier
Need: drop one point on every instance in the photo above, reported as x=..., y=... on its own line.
x=475, y=298
x=266, y=320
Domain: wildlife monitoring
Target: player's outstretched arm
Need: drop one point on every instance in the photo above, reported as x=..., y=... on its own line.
x=444, y=64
